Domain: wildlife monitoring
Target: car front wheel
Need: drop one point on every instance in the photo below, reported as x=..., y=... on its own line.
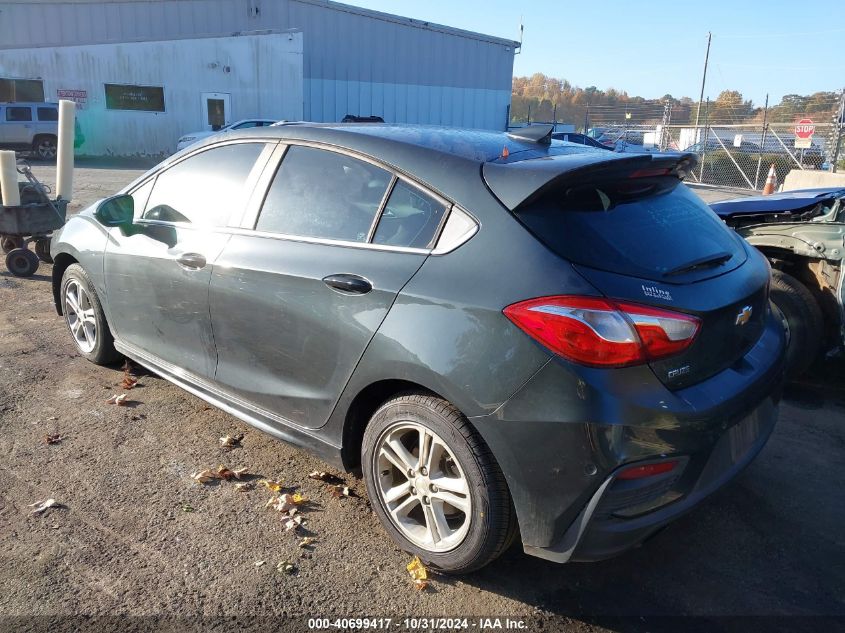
x=435, y=485
x=802, y=319
x=85, y=319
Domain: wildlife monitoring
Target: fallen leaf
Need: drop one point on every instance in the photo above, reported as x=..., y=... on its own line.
x=228, y=475
x=293, y=523
x=41, y=506
x=285, y=502
x=119, y=400
x=244, y=486
x=187, y=508
x=204, y=476
x=418, y=573
x=286, y=567
x=129, y=382
x=271, y=485
x=231, y=441
x=326, y=477
x=306, y=541
x=258, y=563
x=341, y=491
x=54, y=438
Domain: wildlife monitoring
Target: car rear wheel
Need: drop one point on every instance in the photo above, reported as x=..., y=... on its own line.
x=45, y=148
x=435, y=485
x=803, y=321
x=85, y=319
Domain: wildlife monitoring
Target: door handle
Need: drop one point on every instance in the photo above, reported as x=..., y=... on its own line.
x=193, y=261
x=352, y=284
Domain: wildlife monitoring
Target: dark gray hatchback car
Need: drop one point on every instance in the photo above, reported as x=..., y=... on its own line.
x=505, y=333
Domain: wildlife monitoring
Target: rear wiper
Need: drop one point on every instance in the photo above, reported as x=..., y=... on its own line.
x=705, y=262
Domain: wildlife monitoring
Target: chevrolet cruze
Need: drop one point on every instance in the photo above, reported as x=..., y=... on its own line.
x=506, y=334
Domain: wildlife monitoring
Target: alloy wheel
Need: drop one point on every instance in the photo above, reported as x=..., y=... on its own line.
x=423, y=487
x=46, y=149
x=80, y=316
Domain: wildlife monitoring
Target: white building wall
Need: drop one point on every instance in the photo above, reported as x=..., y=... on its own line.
x=355, y=61
x=265, y=80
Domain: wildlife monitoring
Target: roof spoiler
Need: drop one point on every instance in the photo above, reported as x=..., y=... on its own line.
x=541, y=134
x=517, y=184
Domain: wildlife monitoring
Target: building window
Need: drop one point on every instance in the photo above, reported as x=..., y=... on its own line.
x=141, y=98
x=21, y=90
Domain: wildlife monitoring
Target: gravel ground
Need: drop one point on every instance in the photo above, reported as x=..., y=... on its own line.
x=136, y=537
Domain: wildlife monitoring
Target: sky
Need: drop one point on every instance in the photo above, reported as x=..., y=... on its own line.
x=649, y=48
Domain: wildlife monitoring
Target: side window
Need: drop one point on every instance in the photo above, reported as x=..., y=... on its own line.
x=245, y=125
x=410, y=218
x=48, y=114
x=317, y=193
x=18, y=113
x=204, y=189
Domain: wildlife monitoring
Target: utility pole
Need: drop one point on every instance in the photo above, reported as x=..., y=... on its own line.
x=762, y=140
x=840, y=123
x=703, y=80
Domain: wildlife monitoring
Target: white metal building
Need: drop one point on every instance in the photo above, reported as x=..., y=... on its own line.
x=146, y=71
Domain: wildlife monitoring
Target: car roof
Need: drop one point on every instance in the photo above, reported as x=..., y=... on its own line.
x=383, y=139
x=448, y=159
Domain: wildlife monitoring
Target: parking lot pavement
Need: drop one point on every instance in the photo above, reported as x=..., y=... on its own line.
x=136, y=535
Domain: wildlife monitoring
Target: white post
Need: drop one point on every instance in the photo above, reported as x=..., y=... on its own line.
x=9, y=179
x=64, y=162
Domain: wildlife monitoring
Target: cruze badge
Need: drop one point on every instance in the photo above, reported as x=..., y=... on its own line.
x=744, y=315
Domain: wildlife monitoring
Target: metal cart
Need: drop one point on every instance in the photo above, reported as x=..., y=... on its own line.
x=32, y=221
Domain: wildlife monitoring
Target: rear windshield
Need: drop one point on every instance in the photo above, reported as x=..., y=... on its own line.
x=652, y=228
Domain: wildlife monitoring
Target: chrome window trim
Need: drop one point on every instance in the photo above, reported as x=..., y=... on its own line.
x=325, y=241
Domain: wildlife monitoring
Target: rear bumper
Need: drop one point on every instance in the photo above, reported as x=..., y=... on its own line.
x=600, y=533
x=562, y=440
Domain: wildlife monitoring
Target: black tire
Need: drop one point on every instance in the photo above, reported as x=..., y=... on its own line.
x=10, y=242
x=492, y=519
x=803, y=319
x=22, y=262
x=103, y=352
x=45, y=148
x=42, y=250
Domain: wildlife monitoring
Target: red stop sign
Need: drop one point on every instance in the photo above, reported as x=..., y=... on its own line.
x=804, y=128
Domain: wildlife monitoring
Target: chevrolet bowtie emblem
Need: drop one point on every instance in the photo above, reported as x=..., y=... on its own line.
x=744, y=315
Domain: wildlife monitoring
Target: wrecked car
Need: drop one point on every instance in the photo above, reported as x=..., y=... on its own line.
x=802, y=234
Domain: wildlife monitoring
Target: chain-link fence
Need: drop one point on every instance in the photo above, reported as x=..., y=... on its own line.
x=742, y=155
x=736, y=142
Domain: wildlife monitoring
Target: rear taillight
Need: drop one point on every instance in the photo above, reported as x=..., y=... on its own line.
x=646, y=470
x=604, y=333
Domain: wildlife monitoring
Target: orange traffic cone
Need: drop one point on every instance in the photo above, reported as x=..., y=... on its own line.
x=771, y=181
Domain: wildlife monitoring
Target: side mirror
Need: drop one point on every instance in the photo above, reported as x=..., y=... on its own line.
x=116, y=211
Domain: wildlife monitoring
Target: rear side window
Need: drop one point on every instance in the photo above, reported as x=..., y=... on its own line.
x=650, y=228
x=18, y=113
x=48, y=114
x=323, y=194
x=204, y=189
x=410, y=218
